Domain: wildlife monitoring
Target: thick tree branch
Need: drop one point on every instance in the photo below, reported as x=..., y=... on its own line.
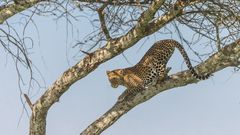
x=226, y=57
x=7, y=11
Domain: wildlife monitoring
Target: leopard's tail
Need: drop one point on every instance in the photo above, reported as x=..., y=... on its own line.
x=189, y=64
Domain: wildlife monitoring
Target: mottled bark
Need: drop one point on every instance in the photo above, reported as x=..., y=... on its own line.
x=7, y=11
x=38, y=121
x=226, y=57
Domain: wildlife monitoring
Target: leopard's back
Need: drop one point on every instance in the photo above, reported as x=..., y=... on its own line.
x=159, y=53
x=157, y=57
x=152, y=66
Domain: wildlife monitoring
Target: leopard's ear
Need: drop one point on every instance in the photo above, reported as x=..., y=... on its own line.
x=121, y=71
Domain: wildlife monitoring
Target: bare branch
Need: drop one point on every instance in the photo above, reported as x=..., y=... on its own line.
x=216, y=20
x=101, y=15
x=85, y=52
x=218, y=37
x=28, y=101
x=119, y=2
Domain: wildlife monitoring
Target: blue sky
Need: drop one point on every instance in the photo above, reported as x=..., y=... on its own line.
x=206, y=108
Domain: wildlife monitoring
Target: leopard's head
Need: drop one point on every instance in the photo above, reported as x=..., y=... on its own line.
x=115, y=77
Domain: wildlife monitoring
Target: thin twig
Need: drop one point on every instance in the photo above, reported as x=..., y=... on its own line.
x=89, y=54
x=101, y=15
x=28, y=101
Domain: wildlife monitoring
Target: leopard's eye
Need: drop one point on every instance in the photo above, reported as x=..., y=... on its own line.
x=114, y=79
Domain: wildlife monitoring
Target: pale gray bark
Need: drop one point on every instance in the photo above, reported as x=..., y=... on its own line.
x=9, y=10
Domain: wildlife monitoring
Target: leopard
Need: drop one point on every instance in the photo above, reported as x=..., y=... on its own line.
x=151, y=69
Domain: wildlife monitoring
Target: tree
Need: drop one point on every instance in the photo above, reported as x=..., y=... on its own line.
x=118, y=30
